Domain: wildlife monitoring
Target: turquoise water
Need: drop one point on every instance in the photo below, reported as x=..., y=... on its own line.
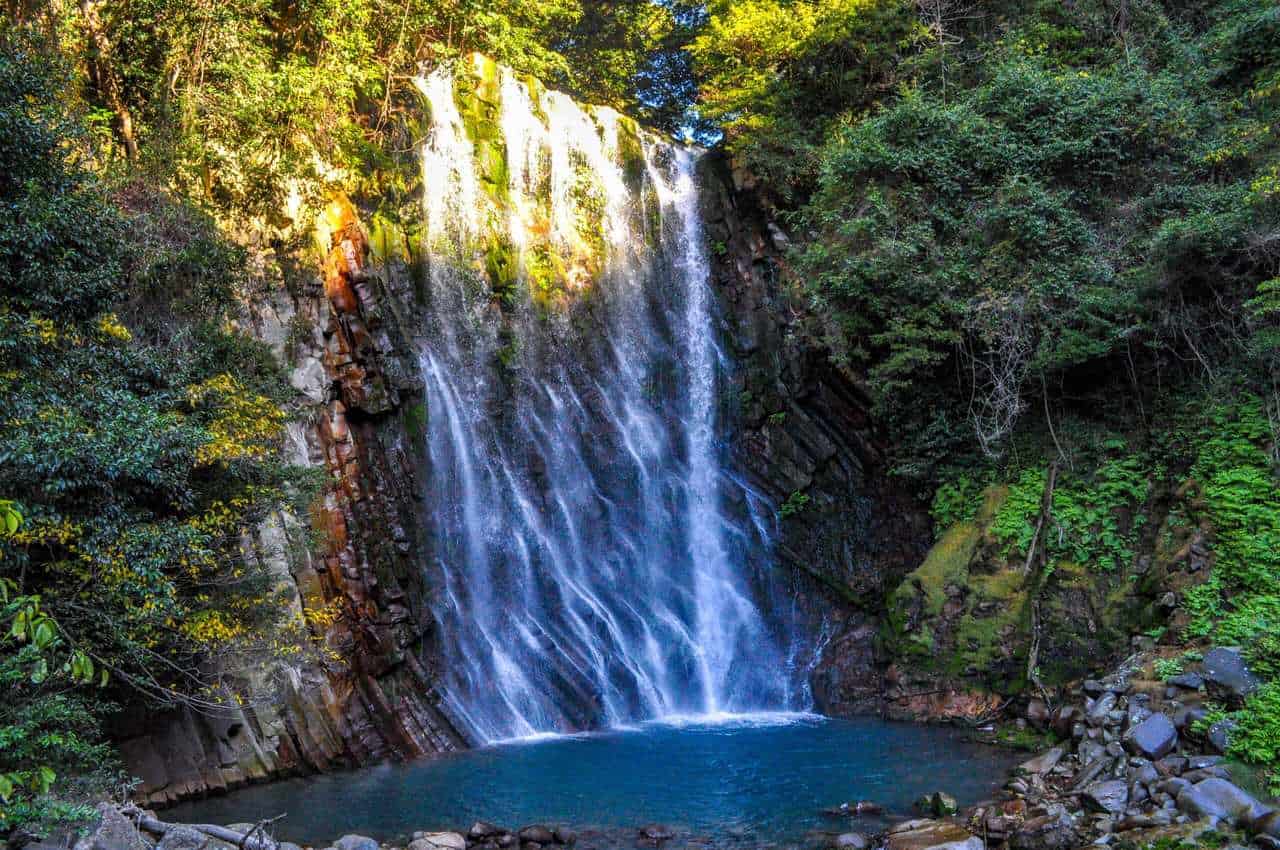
x=741, y=781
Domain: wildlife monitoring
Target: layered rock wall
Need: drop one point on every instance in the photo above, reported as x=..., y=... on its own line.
x=357, y=576
x=806, y=439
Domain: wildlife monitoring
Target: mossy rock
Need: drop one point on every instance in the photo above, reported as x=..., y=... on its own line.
x=949, y=617
x=388, y=241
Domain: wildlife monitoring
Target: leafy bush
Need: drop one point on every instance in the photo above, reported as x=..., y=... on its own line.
x=142, y=450
x=1096, y=516
x=1256, y=736
x=1066, y=224
x=955, y=500
x=794, y=505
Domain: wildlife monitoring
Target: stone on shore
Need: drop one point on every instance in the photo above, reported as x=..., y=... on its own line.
x=1108, y=797
x=113, y=832
x=1153, y=738
x=183, y=838
x=1044, y=762
x=439, y=841
x=1226, y=674
x=931, y=835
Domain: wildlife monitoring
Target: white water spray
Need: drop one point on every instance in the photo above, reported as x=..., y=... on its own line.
x=598, y=566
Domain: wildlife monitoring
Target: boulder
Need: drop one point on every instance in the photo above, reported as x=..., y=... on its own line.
x=1268, y=823
x=439, y=841
x=1153, y=738
x=1108, y=797
x=1219, y=736
x=1038, y=713
x=536, y=834
x=931, y=835
x=1063, y=719
x=481, y=830
x=1241, y=807
x=1226, y=675
x=937, y=804
x=564, y=835
x=656, y=832
x=1099, y=712
x=113, y=832
x=183, y=838
x=1187, y=681
x=1042, y=763
x=1192, y=801
x=850, y=841
x=1052, y=831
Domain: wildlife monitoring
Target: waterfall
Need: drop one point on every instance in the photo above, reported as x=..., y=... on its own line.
x=597, y=562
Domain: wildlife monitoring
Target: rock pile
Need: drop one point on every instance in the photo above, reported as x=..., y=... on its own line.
x=1131, y=759
x=1133, y=765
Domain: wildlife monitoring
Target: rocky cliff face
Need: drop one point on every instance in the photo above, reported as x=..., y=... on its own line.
x=805, y=441
x=357, y=577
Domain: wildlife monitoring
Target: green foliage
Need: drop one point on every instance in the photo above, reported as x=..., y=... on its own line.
x=44, y=730
x=1096, y=516
x=794, y=505
x=142, y=447
x=1237, y=479
x=776, y=74
x=956, y=500
x=1167, y=668
x=240, y=103
x=1256, y=736
x=1069, y=211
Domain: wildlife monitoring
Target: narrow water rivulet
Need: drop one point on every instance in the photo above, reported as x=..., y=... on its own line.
x=600, y=563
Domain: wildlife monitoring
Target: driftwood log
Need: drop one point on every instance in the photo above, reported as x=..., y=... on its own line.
x=255, y=839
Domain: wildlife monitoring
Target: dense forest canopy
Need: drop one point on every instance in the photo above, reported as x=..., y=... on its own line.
x=1030, y=229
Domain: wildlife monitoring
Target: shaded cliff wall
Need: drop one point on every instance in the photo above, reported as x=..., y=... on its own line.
x=806, y=439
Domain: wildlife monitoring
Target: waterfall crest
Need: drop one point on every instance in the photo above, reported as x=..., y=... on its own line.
x=598, y=562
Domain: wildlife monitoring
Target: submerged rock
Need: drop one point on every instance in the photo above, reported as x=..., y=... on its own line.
x=850, y=841
x=536, y=834
x=355, y=842
x=656, y=832
x=861, y=807
x=938, y=804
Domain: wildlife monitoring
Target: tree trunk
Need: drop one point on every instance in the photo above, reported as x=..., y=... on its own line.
x=104, y=78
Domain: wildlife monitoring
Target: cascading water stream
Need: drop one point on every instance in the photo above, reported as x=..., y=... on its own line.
x=599, y=565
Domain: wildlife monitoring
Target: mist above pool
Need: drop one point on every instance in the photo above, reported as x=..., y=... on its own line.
x=749, y=779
